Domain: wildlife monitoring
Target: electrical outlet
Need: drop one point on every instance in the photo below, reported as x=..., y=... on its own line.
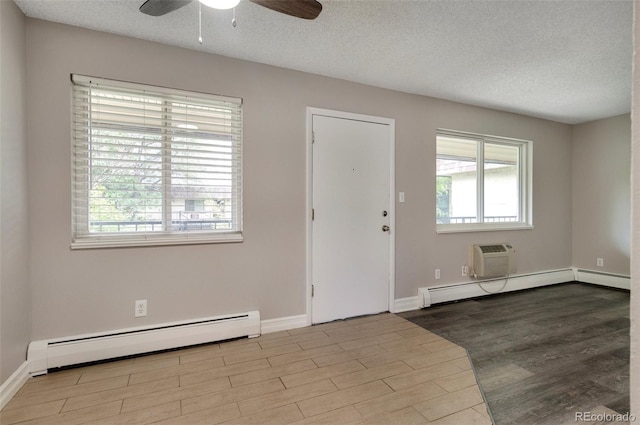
x=465, y=270
x=600, y=262
x=140, y=308
x=437, y=274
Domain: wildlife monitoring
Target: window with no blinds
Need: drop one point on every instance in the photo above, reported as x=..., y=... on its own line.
x=482, y=182
x=154, y=166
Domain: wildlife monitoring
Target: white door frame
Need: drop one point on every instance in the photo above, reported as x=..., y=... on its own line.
x=311, y=111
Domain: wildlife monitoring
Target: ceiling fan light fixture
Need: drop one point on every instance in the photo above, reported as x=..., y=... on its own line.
x=220, y=4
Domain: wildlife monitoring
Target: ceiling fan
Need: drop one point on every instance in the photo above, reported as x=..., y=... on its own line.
x=305, y=9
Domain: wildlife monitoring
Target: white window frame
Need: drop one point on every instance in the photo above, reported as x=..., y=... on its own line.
x=82, y=237
x=525, y=179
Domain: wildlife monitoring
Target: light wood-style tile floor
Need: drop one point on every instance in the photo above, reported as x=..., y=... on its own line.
x=378, y=369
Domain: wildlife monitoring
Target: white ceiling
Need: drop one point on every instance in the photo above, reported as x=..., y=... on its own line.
x=564, y=60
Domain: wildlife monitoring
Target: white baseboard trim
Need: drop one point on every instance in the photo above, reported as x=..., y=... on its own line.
x=284, y=323
x=471, y=289
x=604, y=279
x=406, y=304
x=13, y=384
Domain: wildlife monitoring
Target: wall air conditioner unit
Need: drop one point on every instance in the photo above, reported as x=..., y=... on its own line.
x=491, y=261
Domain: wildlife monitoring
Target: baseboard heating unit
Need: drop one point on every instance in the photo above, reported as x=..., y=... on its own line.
x=602, y=278
x=464, y=290
x=53, y=353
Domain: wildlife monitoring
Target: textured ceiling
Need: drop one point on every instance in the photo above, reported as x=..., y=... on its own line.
x=567, y=60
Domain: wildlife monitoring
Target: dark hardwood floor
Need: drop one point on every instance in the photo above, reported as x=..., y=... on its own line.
x=541, y=355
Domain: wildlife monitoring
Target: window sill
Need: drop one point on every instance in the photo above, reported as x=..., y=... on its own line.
x=154, y=240
x=476, y=227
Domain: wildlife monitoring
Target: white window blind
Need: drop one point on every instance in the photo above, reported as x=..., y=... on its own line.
x=144, y=155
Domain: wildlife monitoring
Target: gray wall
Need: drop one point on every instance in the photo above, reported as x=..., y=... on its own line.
x=601, y=194
x=15, y=296
x=420, y=250
x=93, y=290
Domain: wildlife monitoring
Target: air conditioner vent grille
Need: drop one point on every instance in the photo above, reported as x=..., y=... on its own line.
x=492, y=248
x=491, y=261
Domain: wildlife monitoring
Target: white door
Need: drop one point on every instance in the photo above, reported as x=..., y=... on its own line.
x=351, y=242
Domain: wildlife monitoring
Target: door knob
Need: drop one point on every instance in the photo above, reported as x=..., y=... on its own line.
x=385, y=228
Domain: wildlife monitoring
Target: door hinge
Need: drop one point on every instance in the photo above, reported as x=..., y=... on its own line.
x=313, y=136
x=312, y=291
x=313, y=214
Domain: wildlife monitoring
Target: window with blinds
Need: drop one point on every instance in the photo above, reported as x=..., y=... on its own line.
x=154, y=166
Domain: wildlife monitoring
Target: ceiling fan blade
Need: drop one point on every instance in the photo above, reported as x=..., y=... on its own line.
x=162, y=7
x=305, y=9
